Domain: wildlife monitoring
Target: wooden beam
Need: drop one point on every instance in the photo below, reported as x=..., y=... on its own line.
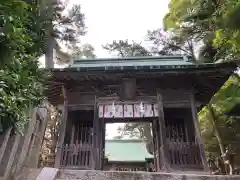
x=163, y=148
x=73, y=133
x=197, y=131
x=103, y=127
x=8, y=170
x=156, y=144
x=33, y=145
x=35, y=154
x=27, y=140
x=62, y=131
x=96, y=137
x=74, y=107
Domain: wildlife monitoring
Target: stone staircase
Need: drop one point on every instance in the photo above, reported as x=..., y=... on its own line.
x=116, y=175
x=64, y=174
x=28, y=174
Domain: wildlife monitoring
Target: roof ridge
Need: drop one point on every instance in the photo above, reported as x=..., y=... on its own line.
x=76, y=59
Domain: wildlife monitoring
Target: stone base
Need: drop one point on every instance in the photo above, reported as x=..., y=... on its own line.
x=30, y=174
x=116, y=175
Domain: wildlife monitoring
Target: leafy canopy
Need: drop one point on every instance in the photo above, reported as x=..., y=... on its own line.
x=21, y=81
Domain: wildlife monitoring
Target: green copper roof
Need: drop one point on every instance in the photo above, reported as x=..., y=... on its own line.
x=126, y=150
x=138, y=64
x=131, y=61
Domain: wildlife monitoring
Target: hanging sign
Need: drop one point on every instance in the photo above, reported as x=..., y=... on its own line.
x=128, y=110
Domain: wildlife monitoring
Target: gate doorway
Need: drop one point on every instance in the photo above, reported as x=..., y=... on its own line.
x=77, y=149
x=129, y=146
x=135, y=113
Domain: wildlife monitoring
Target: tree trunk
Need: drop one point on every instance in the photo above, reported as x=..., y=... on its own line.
x=216, y=130
x=49, y=63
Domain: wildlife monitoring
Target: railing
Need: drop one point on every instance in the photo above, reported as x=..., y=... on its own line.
x=77, y=156
x=184, y=155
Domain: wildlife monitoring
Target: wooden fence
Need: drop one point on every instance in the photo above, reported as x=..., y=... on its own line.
x=19, y=151
x=77, y=156
x=184, y=155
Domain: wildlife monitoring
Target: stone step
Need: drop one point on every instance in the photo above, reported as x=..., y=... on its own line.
x=28, y=174
x=47, y=174
x=31, y=174
x=117, y=175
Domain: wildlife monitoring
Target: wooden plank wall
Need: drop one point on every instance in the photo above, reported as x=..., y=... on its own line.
x=16, y=149
x=184, y=155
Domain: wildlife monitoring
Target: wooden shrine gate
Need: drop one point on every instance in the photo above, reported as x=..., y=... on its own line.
x=118, y=111
x=172, y=148
x=85, y=149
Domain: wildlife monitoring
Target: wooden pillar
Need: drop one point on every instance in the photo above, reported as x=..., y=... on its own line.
x=99, y=126
x=102, y=143
x=62, y=131
x=73, y=134
x=156, y=145
x=197, y=131
x=163, y=148
x=96, y=149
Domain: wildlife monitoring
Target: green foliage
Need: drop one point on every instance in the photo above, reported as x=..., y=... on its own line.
x=215, y=23
x=54, y=20
x=170, y=43
x=22, y=82
x=85, y=50
x=177, y=11
x=26, y=28
x=217, y=127
x=126, y=49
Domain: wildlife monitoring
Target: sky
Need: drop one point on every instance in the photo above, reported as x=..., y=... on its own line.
x=109, y=20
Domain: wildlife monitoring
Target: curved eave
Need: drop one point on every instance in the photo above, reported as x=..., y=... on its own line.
x=117, y=69
x=206, y=79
